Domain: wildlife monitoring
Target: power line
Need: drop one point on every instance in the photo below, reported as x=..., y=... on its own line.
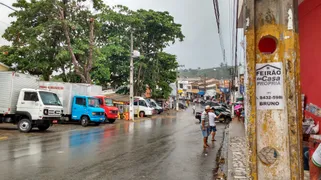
x=7, y=6
x=217, y=16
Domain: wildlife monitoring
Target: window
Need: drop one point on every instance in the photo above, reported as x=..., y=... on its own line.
x=49, y=98
x=142, y=103
x=30, y=96
x=93, y=102
x=135, y=103
x=100, y=101
x=81, y=101
x=109, y=102
x=181, y=86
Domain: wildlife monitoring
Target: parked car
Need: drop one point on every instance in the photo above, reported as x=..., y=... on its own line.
x=155, y=105
x=221, y=108
x=142, y=107
x=211, y=104
x=225, y=117
x=22, y=103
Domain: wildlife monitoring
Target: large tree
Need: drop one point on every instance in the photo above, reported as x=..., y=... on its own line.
x=153, y=31
x=35, y=37
x=79, y=27
x=66, y=36
x=52, y=35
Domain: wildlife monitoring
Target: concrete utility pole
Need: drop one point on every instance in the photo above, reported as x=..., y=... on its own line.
x=177, y=95
x=273, y=102
x=205, y=88
x=131, y=80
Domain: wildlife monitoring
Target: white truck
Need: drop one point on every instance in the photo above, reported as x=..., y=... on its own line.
x=23, y=104
x=78, y=101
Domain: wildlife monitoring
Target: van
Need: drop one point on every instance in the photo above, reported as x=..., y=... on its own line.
x=142, y=107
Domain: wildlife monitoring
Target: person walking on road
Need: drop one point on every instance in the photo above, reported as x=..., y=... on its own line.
x=194, y=108
x=205, y=126
x=212, y=117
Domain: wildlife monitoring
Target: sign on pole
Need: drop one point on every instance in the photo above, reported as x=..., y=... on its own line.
x=269, y=86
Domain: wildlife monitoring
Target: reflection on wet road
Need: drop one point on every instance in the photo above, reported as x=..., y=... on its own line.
x=168, y=147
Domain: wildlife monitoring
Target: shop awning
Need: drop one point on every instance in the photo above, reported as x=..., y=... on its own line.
x=194, y=91
x=201, y=93
x=118, y=98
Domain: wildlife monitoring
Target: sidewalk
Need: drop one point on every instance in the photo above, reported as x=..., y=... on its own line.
x=237, y=153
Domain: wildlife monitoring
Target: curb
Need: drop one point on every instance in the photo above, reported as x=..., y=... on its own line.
x=222, y=157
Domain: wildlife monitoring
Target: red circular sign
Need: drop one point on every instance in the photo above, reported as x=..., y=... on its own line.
x=267, y=45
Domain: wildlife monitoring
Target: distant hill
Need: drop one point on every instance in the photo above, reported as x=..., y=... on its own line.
x=215, y=72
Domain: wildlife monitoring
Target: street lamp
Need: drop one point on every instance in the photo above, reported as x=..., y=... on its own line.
x=134, y=54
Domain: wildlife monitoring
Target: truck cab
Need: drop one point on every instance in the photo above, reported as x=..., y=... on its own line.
x=37, y=108
x=111, y=112
x=86, y=109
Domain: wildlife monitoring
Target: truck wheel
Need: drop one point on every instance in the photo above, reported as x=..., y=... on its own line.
x=141, y=114
x=43, y=127
x=111, y=120
x=24, y=125
x=84, y=121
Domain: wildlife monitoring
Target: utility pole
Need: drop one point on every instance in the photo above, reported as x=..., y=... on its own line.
x=274, y=131
x=177, y=95
x=131, y=80
x=205, y=86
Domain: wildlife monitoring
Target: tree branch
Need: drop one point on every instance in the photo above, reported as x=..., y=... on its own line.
x=91, y=45
x=73, y=57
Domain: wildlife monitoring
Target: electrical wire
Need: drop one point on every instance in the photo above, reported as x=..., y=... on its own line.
x=217, y=17
x=7, y=6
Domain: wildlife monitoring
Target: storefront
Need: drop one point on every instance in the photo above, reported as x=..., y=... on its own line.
x=310, y=42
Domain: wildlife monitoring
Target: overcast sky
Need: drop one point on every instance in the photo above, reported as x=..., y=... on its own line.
x=201, y=46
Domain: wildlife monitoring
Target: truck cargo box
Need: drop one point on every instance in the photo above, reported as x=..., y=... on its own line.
x=66, y=91
x=11, y=84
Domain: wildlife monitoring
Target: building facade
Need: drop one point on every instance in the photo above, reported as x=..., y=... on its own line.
x=310, y=42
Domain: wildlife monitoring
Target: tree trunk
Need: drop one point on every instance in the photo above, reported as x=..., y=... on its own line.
x=85, y=75
x=46, y=77
x=89, y=63
x=137, y=89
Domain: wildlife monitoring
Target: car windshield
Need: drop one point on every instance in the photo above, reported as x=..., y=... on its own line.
x=49, y=98
x=148, y=104
x=151, y=103
x=109, y=102
x=93, y=102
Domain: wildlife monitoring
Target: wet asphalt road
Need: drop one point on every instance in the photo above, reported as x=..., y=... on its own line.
x=168, y=147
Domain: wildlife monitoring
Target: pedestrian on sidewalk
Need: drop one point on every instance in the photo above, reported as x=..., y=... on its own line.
x=212, y=117
x=205, y=125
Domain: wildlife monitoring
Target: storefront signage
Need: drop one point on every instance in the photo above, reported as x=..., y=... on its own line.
x=269, y=86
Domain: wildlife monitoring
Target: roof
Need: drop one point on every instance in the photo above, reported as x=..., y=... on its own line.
x=1, y=64
x=118, y=97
